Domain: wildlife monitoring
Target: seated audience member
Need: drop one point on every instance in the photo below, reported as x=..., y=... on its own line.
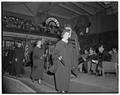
x=86, y=52
x=85, y=63
x=92, y=56
x=114, y=55
x=100, y=59
x=110, y=52
x=91, y=51
x=114, y=58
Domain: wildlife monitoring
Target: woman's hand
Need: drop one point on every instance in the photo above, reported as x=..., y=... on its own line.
x=60, y=58
x=16, y=59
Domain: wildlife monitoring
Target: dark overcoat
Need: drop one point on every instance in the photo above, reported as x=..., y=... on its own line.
x=19, y=66
x=38, y=63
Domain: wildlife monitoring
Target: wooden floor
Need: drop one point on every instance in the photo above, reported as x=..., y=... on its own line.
x=90, y=83
x=85, y=83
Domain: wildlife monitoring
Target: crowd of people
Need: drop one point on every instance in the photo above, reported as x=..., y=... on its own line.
x=65, y=58
x=92, y=60
x=17, y=24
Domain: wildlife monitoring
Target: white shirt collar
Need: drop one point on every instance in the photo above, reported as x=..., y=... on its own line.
x=66, y=41
x=38, y=46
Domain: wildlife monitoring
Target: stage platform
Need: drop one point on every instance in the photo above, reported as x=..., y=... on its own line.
x=85, y=83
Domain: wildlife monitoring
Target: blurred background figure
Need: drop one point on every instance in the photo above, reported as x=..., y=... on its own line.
x=114, y=58
x=100, y=60
x=19, y=60
x=73, y=40
x=38, y=63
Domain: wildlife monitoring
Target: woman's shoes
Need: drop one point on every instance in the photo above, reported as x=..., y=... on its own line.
x=39, y=81
x=62, y=91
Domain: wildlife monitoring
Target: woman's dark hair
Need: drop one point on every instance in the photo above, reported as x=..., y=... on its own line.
x=67, y=25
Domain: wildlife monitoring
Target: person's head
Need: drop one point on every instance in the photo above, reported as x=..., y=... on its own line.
x=86, y=52
x=19, y=44
x=39, y=43
x=114, y=50
x=110, y=52
x=68, y=27
x=91, y=51
x=90, y=48
x=47, y=51
x=101, y=48
x=65, y=34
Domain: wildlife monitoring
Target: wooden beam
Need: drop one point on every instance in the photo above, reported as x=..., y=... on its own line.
x=70, y=9
x=23, y=35
x=82, y=8
x=101, y=5
x=28, y=9
x=11, y=13
x=12, y=4
x=92, y=6
x=58, y=15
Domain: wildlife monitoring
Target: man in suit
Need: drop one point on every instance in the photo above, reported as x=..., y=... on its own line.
x=10, y=59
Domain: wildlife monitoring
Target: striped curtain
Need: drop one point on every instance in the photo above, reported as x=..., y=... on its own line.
x=28, y=50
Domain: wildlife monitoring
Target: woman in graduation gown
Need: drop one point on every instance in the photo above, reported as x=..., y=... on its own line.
x=62, y=57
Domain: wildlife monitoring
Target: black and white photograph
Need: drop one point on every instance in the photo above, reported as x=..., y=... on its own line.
x=59, y=47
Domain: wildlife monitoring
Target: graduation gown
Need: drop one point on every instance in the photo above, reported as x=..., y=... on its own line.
x=75, y=48
x=38, y=63
x=19, y=67
x=62, y=74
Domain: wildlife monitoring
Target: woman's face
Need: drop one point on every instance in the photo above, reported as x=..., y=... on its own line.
x=86, y=52
x=114, y=50
x=66, y=35
x=101, y=49
x=69, y=28
x=39, y=43
x=19, y=44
